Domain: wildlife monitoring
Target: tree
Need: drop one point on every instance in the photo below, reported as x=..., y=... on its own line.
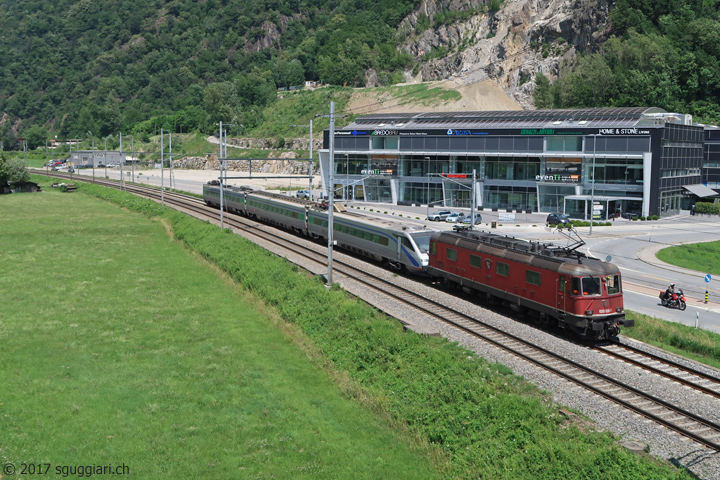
x=17, y=170
x=36, y=137
x=12, y=171
x=4, y=172
x=543, y=94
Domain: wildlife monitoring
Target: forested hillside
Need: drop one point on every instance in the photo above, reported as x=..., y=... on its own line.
x=80, y=68
x=69, y=67
x=666, y=53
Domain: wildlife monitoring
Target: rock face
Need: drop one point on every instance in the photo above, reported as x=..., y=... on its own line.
x=509, y=46
x=279, y=167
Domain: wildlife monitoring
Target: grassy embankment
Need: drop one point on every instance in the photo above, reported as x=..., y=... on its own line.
x=121, y=347
x=164, y=361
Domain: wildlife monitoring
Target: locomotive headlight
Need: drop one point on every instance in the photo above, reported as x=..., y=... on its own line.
x=588, y=312
x=619, y=309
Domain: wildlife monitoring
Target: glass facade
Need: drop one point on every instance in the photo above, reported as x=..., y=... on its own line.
x=524, y=161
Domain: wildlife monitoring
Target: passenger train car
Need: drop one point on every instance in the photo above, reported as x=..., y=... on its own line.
x=553, y=284
x=400, y=244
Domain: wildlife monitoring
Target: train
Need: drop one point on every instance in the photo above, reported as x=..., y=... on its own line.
x=402, y=245
x=554, y=285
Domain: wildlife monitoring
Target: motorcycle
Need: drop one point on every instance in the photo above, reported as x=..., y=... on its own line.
x=676, y=300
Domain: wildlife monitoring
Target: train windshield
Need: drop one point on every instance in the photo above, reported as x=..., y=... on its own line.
x=422, y=240
x=591, y=286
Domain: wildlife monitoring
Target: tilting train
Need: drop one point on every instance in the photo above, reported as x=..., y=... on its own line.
x=401, y=244
x=554, y=284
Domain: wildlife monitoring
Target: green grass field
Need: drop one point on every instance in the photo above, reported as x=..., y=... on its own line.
x=121, y=347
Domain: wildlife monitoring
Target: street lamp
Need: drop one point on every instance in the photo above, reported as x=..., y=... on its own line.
x=427, y=176
x=592, y=190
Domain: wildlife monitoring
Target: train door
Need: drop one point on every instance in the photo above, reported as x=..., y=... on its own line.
x=398, y=241
x=561, y=293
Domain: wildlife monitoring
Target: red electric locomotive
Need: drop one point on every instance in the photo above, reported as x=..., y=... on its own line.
x=554, y=284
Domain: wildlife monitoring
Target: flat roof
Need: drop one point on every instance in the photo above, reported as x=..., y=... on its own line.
x=624, y=117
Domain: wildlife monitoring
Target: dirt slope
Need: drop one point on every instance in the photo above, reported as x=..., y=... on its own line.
x=483, y=95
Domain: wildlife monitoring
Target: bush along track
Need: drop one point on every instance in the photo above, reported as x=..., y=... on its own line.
x=480, y=420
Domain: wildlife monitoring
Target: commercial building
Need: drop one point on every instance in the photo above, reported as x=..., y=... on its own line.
x=585, y=163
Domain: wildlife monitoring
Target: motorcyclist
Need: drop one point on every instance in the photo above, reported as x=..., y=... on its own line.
x=670, y=291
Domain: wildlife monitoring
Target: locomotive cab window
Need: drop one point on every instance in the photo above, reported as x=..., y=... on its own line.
x=406, y=243
x=591, y=286
x=433, y=248
x=533, y=278
x=503, y=269
x=451, y=254
x=613, y=284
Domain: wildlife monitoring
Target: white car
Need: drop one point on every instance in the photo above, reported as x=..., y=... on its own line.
x=455, y=218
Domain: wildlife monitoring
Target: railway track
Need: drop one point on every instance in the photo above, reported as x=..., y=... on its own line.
x=682, y=374
x=682, y=421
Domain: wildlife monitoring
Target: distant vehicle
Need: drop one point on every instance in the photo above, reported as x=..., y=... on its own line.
x=439, y=216
x=111, y=165
x=71, y=170
x=557, y=219
x=455, y=218
x=101, y=165
x=302, y=194
x=468, y=219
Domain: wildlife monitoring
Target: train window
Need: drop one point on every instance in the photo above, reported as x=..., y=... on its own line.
x=451, y=254
x=406, y=243
x=561, y=284
x=337, y=227
x=575, y=286
x=613, y=284
x=433, y=248
x=503, y=269
x=475, y=261
x=384, y=241
x=376, y=238
x=533, y=278
x=368, y=236
x=591, y=286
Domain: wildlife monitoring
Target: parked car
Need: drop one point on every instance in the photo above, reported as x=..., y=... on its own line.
x=439, y=216
x=468, y=219
x=557, y=219
x=302, y=194
x=101, y=165
x=455, y=218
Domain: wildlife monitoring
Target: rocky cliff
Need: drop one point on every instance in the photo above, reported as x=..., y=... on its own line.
x=509, y=46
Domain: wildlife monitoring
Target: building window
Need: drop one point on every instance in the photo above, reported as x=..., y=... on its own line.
x=563, y=144
x=385, y=143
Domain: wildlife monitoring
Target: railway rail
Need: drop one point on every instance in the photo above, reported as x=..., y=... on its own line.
x=684, y=422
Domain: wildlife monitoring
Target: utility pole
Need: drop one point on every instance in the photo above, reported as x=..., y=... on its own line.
x=222, y=185
x=331, y=191
x=162, y=167
x=122, y=160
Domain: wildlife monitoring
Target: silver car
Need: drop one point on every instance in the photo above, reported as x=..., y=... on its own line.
x=439, y=216
x=455, y=218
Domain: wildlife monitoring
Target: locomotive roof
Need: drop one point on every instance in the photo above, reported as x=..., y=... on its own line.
x=540, y=254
